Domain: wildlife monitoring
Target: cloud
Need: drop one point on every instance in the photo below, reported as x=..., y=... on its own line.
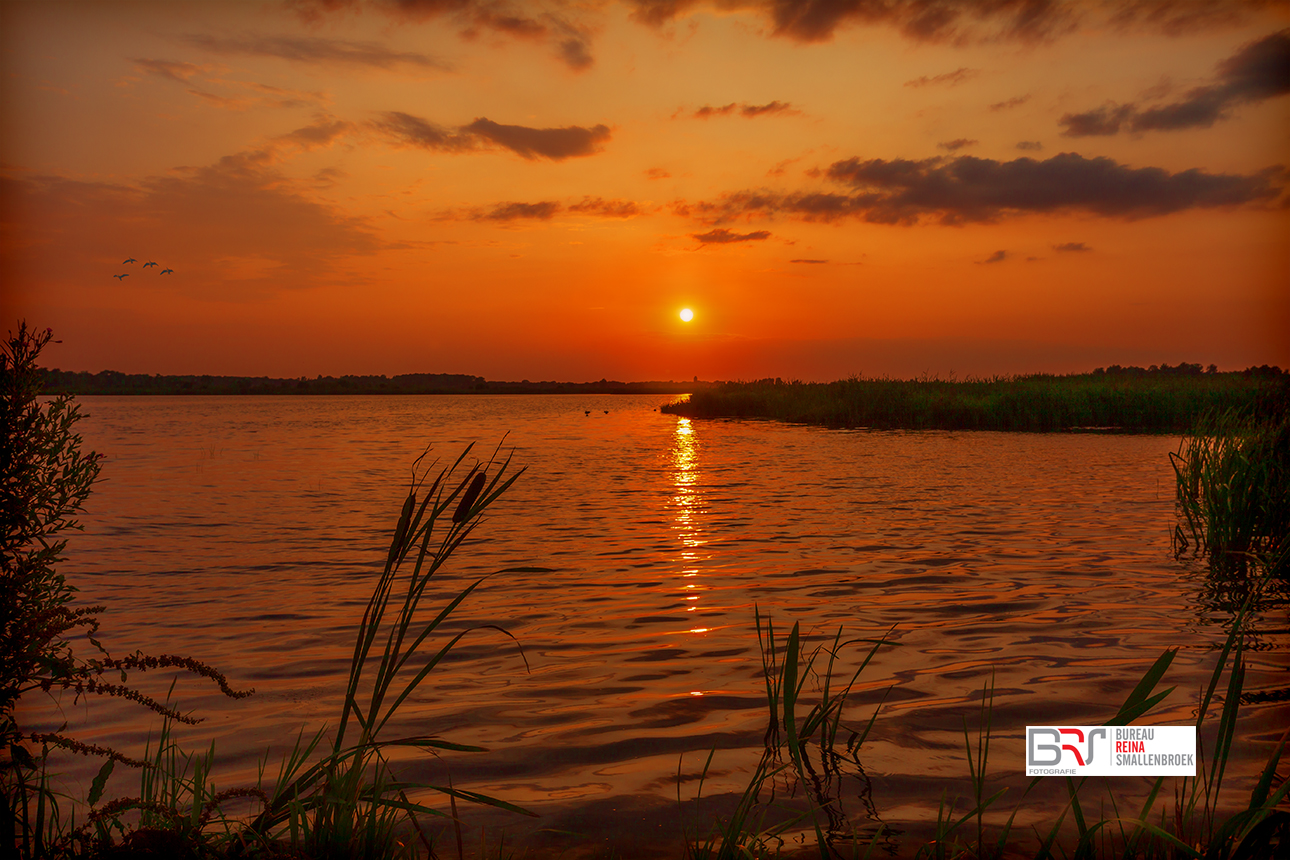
x=321, y=133
x=996, y=257
x=553, y=143
x=962, y=189
x=1016, y=101
x=174, y=70
x=808, y=261
x=415, y=131
x=1105, y=120
x=722, y=236
x=544, y=210
x=311, y=49
x=1078, y=247
x=1257, y=72
x=514, y=211
x=1029, y=145
x=952, y=79
x=961, y=21
x=556, y=144
x=570, y=40
x=657, y=173
x=746, y=110
x=957, y=144
x=606, y=208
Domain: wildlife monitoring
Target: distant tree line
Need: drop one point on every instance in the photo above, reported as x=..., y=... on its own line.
x=1184, y=369
x=114, y=382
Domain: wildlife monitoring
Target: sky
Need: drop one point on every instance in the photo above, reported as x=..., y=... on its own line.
x=535, y=190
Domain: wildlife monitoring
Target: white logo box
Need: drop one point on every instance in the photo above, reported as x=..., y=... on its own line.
x=1110, y=750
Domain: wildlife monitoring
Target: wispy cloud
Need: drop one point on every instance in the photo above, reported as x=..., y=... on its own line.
x=951, y=79
x=966, y=189
x=312, y=49
x=555, y=144
x=996, y=257
x=545, y=210
x=1257, y=72
x=722, y=236
x=802, y=260
x=746, y=110
x=542, y=211
x=962, y=20
x=172, y=69
x=1016, y=101
x=957, y=144
x=1029, y=145
x=1077, y=247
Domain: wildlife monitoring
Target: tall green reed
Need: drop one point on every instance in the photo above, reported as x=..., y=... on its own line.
x=349, y=803
x=1233, y=489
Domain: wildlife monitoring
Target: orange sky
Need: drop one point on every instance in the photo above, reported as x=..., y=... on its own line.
x=535, y=190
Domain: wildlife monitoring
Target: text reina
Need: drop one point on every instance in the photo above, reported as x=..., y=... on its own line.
x=1129, y=739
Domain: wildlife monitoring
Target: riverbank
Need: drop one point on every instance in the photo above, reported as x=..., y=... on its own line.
x=1156, y=401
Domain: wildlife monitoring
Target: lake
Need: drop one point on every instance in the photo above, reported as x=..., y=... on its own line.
x=248, y=532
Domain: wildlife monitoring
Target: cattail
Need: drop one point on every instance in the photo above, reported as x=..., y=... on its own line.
x=468, y=500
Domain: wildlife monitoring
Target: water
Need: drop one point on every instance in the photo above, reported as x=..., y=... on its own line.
x=247, y=532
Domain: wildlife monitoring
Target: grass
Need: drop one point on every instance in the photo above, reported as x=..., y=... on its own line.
x=1233, y=499
x=1160, y=402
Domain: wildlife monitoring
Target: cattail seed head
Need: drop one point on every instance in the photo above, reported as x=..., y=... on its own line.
x=468, y=500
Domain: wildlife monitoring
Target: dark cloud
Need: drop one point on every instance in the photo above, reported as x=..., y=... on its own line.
x=964, y=20
x=1072, y=246
x=657, y=173
x=571, y=42
x=515, y=211
x=745, y=110
x=531, y=143
x=321, y=133
x=606, y=208
x=1010, y=103
x=1029, y=145
x=174, y=70
x=808, y=261
x=311, y=49
x=553, y=143
x=957, y=144
x=415, y=131
x=953, y=78
x=1105, y=120
x=996, y=257
x=1257, y=72
x=968, y=189
x=722, y=236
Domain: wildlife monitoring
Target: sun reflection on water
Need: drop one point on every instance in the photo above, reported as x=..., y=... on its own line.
x=688, y=509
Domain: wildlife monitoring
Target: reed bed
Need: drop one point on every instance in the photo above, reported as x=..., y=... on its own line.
x=1158, y=402
x=1233, y=498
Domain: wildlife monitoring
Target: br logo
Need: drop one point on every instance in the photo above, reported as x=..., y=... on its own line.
x=1037, y=753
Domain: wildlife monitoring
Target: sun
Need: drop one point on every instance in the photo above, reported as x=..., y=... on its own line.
x=686, y=315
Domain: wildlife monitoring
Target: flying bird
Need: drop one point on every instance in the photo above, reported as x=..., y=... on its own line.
x=165, y=271
x=131, y=260
x=119, y=277
x=149, y=263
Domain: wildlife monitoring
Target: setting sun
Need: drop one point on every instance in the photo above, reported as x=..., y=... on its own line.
x=687, y=315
